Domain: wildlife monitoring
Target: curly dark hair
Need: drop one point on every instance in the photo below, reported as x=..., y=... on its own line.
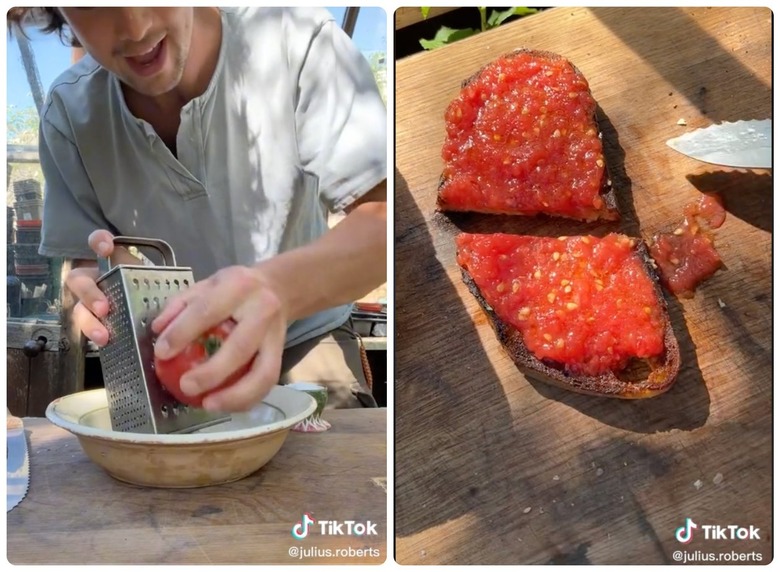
x=49, y=20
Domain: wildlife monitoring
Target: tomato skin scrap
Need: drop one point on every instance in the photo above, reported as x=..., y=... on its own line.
x=584, y=302
x=521, y=138
x=686, y=257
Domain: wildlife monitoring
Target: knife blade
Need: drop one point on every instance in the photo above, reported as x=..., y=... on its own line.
x=746, y=144
x=18, y=462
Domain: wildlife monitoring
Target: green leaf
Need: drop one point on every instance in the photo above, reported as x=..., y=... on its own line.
x=525, y=11
x=498, y=18
x=446, y=36
x=424, y=11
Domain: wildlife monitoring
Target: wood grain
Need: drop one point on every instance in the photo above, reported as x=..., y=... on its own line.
x=58, y=370
x=33, y=383
x=76, y=513
x=493, y=468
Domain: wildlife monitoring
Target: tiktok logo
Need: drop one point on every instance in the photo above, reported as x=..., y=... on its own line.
x=684, y=534
x=301, y=530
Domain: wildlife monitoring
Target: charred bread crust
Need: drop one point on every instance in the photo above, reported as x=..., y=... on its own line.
x=663, y=370
x=610, y=210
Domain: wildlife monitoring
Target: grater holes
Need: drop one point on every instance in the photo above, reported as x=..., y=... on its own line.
x=123, y=378
x=136, y=406
x=129, y=411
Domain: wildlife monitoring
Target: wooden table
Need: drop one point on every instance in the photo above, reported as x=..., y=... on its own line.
x=494, y=468
x=76, y=513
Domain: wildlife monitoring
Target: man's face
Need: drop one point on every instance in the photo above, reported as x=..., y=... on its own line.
x=146, y=48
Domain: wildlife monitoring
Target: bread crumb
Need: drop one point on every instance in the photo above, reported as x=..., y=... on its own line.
x=682, y=121
x=599, y=472
x=526, y=510
x=697, y=484
x=717, y=479
x=721, y=303
x=556, y=478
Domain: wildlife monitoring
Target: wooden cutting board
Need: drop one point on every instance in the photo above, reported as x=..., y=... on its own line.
x=495, y=468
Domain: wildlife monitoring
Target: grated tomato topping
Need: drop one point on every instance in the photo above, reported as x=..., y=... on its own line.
x=521, y=139
x=584, y=302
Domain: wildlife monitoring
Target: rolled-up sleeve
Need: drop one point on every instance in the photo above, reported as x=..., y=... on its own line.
x=341, y=119
x=70, y=208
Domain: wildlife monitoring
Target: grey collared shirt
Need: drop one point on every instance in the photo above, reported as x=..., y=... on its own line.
x=290, y=127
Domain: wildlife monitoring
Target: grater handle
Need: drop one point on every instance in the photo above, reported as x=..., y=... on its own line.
x=169, y=258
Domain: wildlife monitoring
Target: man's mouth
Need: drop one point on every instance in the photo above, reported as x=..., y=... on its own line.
x=149, y=61
x=146, y=58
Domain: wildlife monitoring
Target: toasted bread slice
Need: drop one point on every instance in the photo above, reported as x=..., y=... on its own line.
x=583, y=313
x=523, y=139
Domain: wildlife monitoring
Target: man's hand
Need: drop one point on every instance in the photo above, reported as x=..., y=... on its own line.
x=257, y=306
x=338, y=268
x=82, y=282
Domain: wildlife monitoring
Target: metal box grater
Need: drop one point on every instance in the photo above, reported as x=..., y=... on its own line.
x=136, y=401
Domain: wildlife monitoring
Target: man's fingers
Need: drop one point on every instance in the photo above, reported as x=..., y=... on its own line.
x=206, y=304
x=81, y=282
x=237, y=350
x=173, y=307
x=185, y=316
x=86, y=321
x=101, y=242
x=254, y=386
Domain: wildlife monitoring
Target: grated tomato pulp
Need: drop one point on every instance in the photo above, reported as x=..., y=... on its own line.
x=584, y=302
x=522, y=139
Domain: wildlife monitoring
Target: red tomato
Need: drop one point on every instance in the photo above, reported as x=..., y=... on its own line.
x=170, y=371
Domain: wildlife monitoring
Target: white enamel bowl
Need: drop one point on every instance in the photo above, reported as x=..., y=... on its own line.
x=221, y=453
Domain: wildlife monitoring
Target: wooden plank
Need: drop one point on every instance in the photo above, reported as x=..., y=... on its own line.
x=17, y=378
x=76, y=513
x=515, y=471
x=46, y=383
x=21, y=331
x=73, y=344
x=56, y=371
x=375, y=343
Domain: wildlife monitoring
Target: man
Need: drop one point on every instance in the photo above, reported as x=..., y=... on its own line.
x=229, y=134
